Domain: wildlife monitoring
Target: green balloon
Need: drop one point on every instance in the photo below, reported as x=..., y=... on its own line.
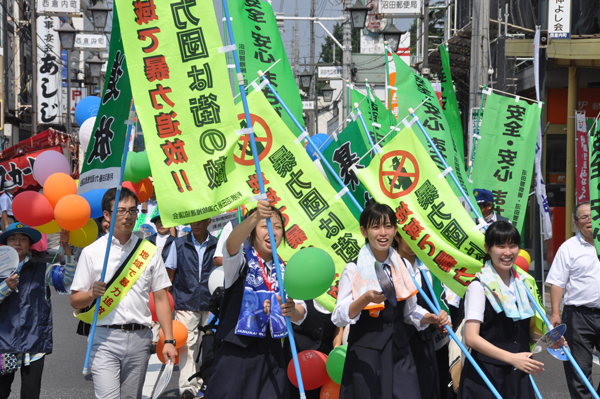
x=129, y=175
x=140, y=165
x=309, y=273
x=335, y=363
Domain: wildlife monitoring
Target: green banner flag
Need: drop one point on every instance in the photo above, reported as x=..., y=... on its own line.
x=313, y=212
x=450, y=104
x=505, y=153
x=259, y=46
x=430, y=218
x=379, y=124
x=185, y=105
x=102, y=162
x=341, y=154
x=595, y=184
x=413, y=90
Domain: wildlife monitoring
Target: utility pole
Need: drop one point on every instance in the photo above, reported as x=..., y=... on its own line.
x=425, y=68
x=501, y=51
x=33, y=69
x=479, y=47
x=296, y=50
x=313, y=86
x=347, y=54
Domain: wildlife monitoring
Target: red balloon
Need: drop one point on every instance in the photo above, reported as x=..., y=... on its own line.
x=133, y=188
x=32, y=208
x=145, y=188
x=522, y=263
x=159, y=352
x=330, y=390
x=153, y=308
x=313, y=368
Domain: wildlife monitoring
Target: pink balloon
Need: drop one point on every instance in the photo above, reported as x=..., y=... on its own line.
x=48, y=163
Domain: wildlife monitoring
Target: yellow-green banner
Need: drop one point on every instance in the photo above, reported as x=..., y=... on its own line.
x=184, y=102
x=430, y=218
x=314, y=214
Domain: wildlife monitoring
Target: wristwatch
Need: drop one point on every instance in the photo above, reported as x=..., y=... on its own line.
x=170, y=341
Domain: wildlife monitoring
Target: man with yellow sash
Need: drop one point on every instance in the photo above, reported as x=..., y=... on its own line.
x=121, y=348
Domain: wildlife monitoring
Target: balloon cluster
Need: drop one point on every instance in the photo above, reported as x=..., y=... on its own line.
x=320, y=371
x=137, y=175
x=59, y=207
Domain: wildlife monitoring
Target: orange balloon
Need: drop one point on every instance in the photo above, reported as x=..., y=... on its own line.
x=133, y=188
x=57, y=186
x=330, y=390
x=180, y=333
x=159, y=352
x=72, y=212
x=145, y=188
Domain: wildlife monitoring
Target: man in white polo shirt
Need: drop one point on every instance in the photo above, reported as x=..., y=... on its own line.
x=575, y=272
x=6, y=200
x=121, y=348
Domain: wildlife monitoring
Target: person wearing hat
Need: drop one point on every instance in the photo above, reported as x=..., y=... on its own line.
x=6, y=200
x=485, y=200
x=163, y=236
x=26, y=310
x=189, y=264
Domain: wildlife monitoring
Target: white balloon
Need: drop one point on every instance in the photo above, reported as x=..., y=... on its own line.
x=216, y=280
x=85, y=132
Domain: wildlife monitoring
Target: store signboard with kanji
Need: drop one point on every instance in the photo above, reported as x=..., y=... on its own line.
x=49, y=76
x=58, y=6
x=90, y=41
x=410, y=8
x=430, y=217
x=559, y=19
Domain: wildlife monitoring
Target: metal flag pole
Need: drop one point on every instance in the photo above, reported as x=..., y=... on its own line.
x=348, y=97
x=476, y=136
x=250, y=131
x=130, y=123
x=364, y=124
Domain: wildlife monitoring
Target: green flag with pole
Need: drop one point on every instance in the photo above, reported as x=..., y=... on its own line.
x=449, y=102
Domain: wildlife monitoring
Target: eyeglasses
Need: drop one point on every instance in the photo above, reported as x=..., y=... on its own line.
x=14, y=239
x=584, y=218
x=123, y=212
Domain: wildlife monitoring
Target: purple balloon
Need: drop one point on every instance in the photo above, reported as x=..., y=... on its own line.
x=48, y=163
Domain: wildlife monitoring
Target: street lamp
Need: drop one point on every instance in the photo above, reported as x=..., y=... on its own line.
x=392, y=36
x=67, y=34
x=99, y=14
x=305, y=78
x=358, y=14
x=95, y=65
x=327, y=92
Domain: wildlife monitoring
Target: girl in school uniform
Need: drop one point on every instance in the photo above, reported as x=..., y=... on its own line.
x=379, y=362
x=497, y=321
x=250, y=363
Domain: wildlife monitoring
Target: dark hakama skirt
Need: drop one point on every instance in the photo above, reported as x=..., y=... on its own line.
x=380, y=374
x=249, y=373
x=427, y=367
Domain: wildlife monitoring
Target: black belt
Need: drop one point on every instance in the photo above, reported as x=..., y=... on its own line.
x=584, y=308
x=127, y=327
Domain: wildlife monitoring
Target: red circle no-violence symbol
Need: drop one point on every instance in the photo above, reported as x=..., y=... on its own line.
x=402, y=174
x=245, y=157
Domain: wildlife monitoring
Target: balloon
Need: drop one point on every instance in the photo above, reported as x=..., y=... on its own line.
x=49, y=228
x=94, y=198
x=145, y=188
x=132, y=187
x=72, y=212
x=58, y=186
x=159, y=352
x=153, y=308
x=32, y=208
x=216, y=279
x=84, y=236
x=128, y=174
x=85, y=132
x=86, y=108
x=330, y=390
x=525, y=254
x=313, y=369
x=309, y=273
x=140, y=164
x=335, y=363
x=180, y=334
x=48, y=163
x=523, y=260
x=318, y=139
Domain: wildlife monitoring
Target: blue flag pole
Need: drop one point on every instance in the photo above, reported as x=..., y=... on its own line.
x=249, y=130
x=130, y=123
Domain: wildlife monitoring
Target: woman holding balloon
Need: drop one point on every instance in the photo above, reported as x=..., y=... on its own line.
x=250, y=362
x=26, y=311
x=379, y=362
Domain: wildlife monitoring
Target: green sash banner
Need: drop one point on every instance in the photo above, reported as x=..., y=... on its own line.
x=450, y=104
x=413, y=90
x=381, y=117
x=259, y=46
x=595, y=184
x=430, y=218
x=505, y=154
x=313, y=213
x=102, y=162
x=185, y=105
x=341, y=154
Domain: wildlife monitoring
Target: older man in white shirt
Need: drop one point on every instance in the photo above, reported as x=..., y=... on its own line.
x=575, y=272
